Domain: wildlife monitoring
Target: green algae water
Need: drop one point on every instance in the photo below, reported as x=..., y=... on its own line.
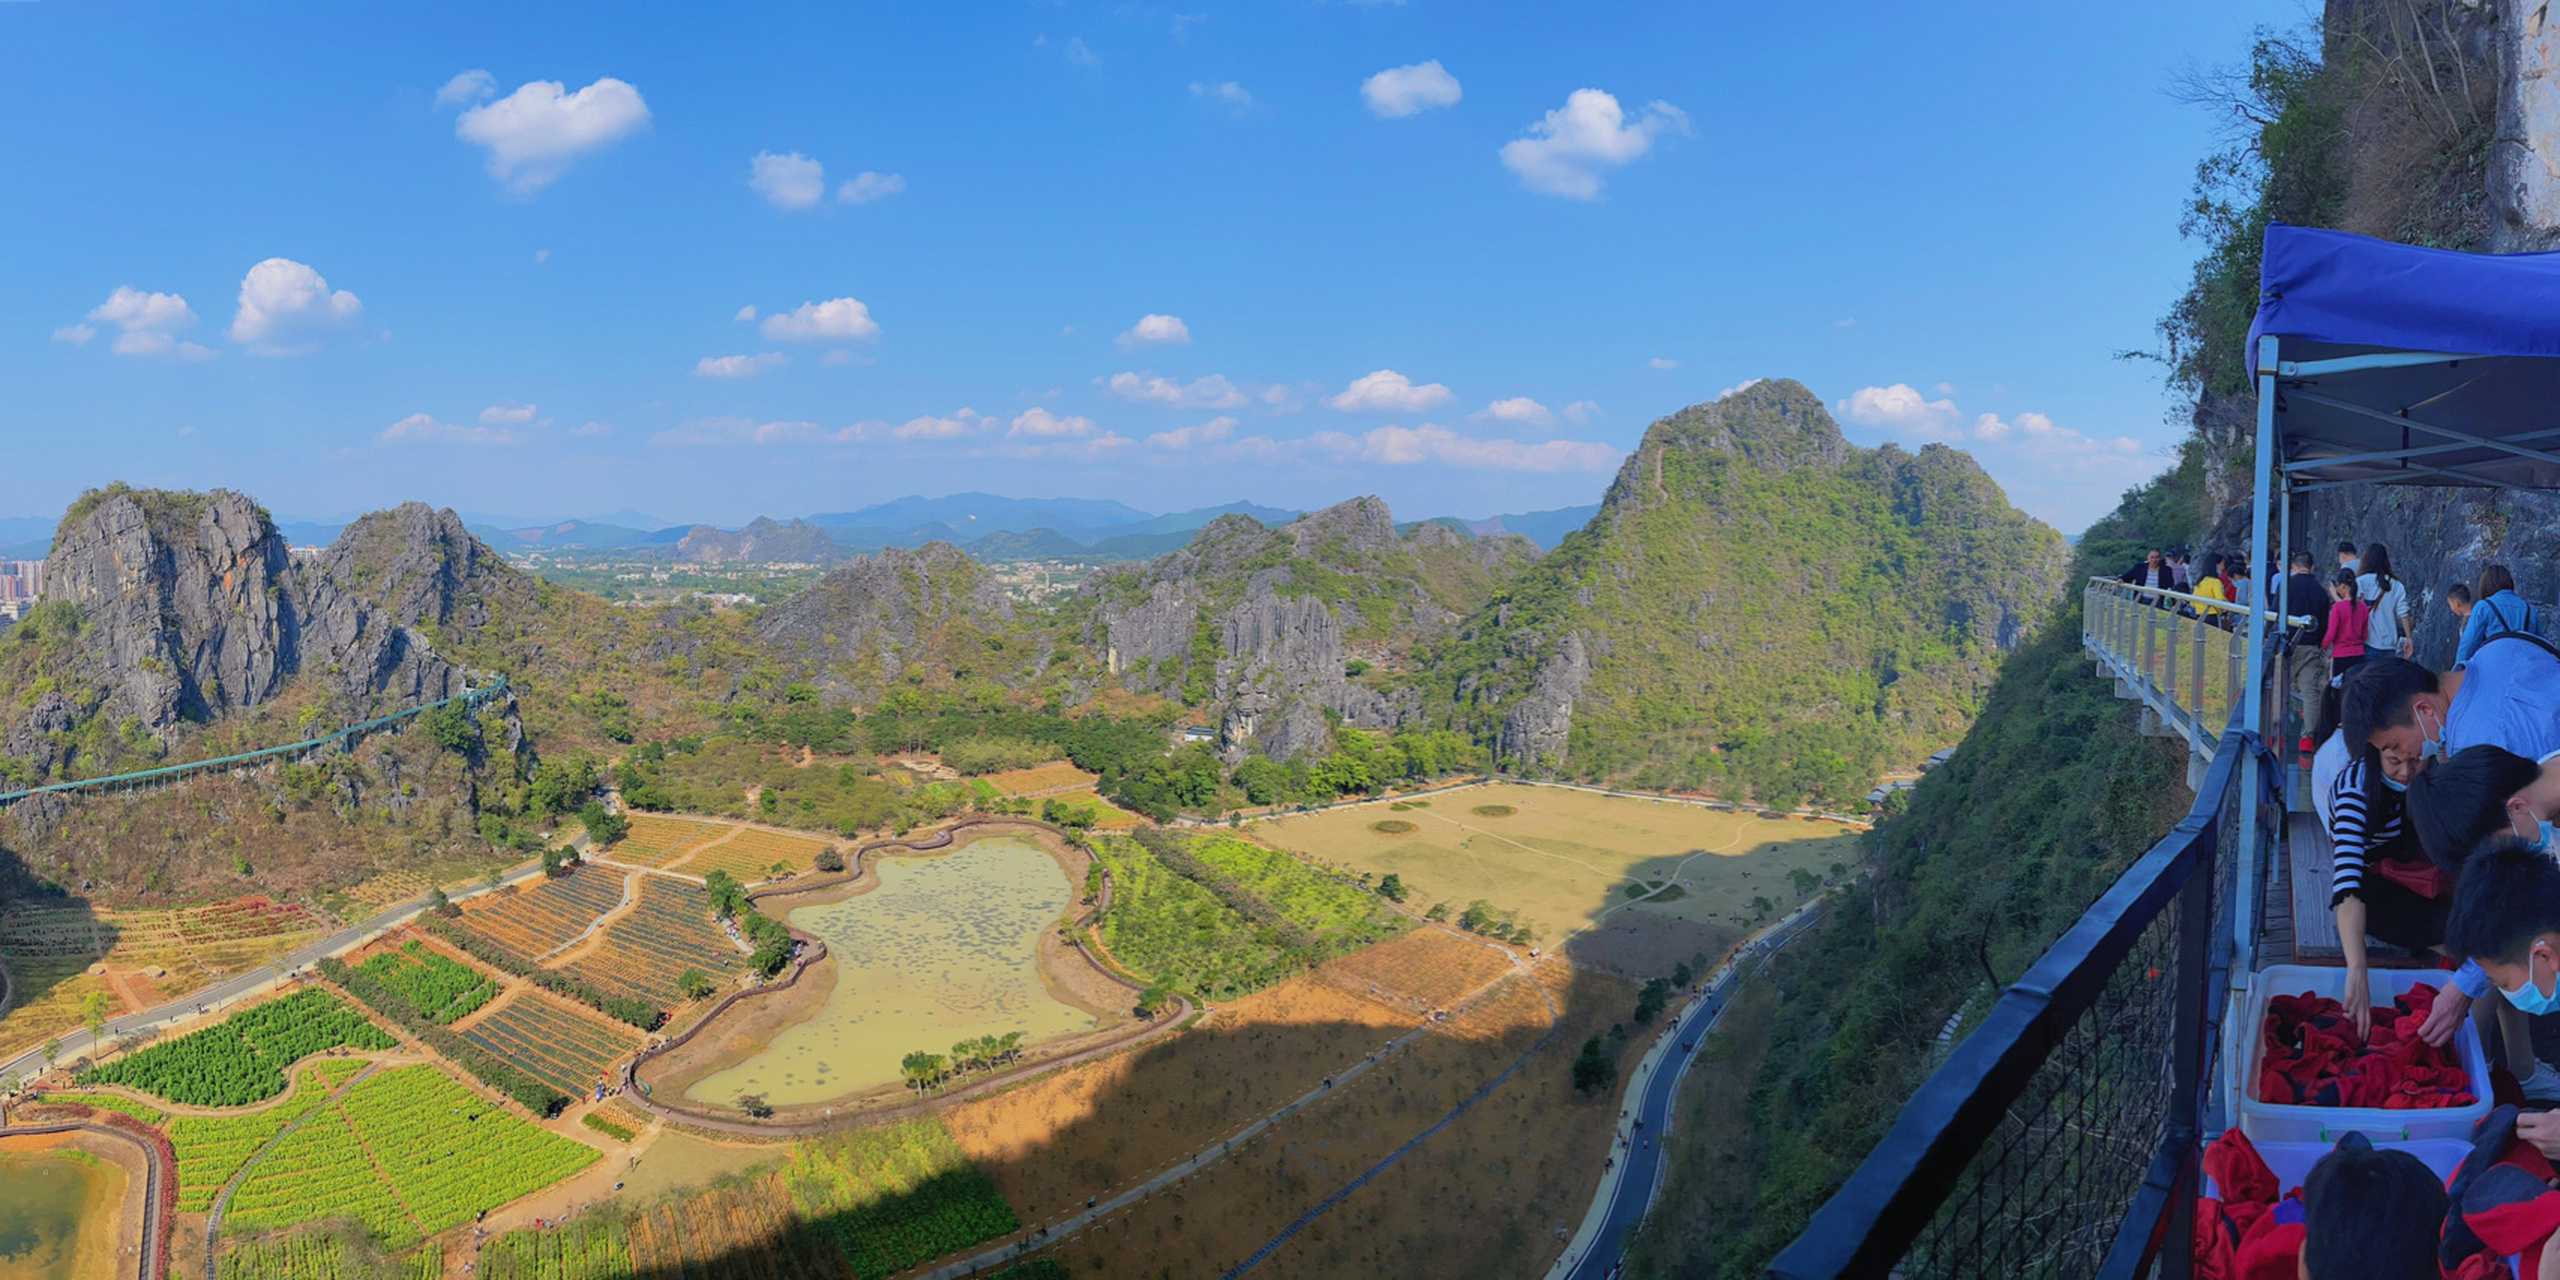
x=43, y=1199
x=944, y=949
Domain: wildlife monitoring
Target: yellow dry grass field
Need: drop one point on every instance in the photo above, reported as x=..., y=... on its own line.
x=1425, y=968
x=50, y=950
x=1108, y=816
x=1494, y=1193
x=654, y=840
x=752, y=854
x=1046, y=779
x=1083, y=1131
x=1564, y=858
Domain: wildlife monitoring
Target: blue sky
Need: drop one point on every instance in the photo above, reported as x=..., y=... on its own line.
x=1174, y=256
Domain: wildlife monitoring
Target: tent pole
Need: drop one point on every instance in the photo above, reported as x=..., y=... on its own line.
x=2285, y=731
x=2244, y=895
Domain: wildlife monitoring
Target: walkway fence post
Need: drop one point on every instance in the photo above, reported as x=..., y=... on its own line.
x=2244, y=902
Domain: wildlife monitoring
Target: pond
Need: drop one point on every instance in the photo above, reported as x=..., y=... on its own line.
x=46, y=1198
x=944, y=949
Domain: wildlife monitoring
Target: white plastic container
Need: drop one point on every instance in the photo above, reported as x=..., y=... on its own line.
x=2291, y=1161
x=2269, y=1122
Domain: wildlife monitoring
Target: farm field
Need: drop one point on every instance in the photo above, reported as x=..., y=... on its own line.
x=561, y=1044
x=408, y=1152
x=242, y=1059
x=440, y=987
x=1425, y=968
x=535, y=921
x=1494, y=1193
x=317, y=1255
x=1215, y=928
x=212, y=1148
x=1564, y=859
x=875, y=1201
x=670, y=930
x=1107, y=816
x=1096, y=1126
x=1055, y=776
x=752, y=854
x=655, y=840
x=49, y=950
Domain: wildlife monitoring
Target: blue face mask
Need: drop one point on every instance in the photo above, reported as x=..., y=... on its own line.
x=2530, y=1000
x=2393, y=783
x=2544, y=843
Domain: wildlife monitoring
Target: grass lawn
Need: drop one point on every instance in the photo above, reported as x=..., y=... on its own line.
x=1563, y=858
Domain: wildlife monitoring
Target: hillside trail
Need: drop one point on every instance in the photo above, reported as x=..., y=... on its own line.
x=222, y=1201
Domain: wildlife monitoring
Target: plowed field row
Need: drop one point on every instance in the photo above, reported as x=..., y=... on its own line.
x=655, y=841
x=540, y=919
x=561, y=1047
x=669, y=931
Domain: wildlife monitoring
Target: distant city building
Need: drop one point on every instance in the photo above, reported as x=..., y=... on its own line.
x=21, y=581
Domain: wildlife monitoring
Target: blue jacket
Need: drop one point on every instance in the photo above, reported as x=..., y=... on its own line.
x=2503, y=612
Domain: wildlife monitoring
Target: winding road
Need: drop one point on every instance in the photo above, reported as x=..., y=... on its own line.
x=1627, y=1190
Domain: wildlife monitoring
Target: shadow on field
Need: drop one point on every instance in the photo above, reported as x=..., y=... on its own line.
x=1492, y=1193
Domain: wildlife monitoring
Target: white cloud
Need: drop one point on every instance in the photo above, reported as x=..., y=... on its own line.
x=505, y=415
x=834, y=320
x=1038, y=423
x=1946, y=388
x=1154, y=330
x=286, y=309
x=1662, y=362
x=736, y=366
x=1845, y=322
x=1405, y=91
x=541, y=256
x=1227, y=92
x=964, y=422
x=1387, y=391
x=1431, y=442
x=792, y=181
x=419, y=428
x=1563, y=154
x=1898, y=408
x=747, y=312
x=1211, y=392
x=1745, y=385
x=866, y=186
x=732, y=430
x=533, y=133
x=1217, y=428
x=1520, y=409
x=591, y=429
x=146, y=325
x=1082, y=54
x=1582, y=411
x=470, y=86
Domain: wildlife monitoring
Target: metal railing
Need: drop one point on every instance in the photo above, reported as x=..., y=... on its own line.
x=250, y=759
x=2185, y=657
x=2060, y=1138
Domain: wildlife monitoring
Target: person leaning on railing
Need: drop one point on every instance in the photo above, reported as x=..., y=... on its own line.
x=2154, y=571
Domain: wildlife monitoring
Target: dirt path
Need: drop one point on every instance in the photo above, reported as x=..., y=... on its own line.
x=630, y=902
x=222, y=1201
x=731, y=833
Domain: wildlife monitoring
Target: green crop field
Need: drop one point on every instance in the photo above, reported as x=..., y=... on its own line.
x=242, y=1059
x=1234, y=917
x=438, y=986
x=1321, y=902
x=898, y=1195
x=314, y=1255
x=212, y=1148
x=408, y=1153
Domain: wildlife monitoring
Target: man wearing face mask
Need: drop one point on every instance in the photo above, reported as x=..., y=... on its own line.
x=2506, y=917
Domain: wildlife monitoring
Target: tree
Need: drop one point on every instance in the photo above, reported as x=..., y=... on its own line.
x=695, y=984
x=452, y=727
x=1649, y=1002
x=754, y=1104
x=1763, y=906
x=1438, y=911
x=1682, y=977
x=555, y=861
x=922, y=1070
x=1153, y=1000
x=1594, y=1069
x=438, y=903
x=1262, y=779
x=1391, y=887
x=604, y=827
x=831, y=858
x=1804, y=882
x=93, y=1015
x=727, y=895
x=52, y=1050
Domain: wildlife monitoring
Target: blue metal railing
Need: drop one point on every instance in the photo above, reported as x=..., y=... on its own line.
x=175, y=772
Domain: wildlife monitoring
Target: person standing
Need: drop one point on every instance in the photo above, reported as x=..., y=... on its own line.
x=2343, y=638
x=2388, y=627
x=2347, y=558
x=2186, y=574
x=2304, y=599
x=2154, y=571
x=2495, y=610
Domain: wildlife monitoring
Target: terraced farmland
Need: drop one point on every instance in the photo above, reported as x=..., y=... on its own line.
x=536, y=921
x=437, y=985
x=643, y=953
x=655, y=840
x=242, y=1059
x=408, y=1152
x=212, y=1148
x=558, y=1043
x=48, y=951
x=753, y=853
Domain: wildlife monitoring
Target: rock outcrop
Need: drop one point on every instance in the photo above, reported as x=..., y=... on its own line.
x=762, y=541
x=867, y=621
x=390, y=574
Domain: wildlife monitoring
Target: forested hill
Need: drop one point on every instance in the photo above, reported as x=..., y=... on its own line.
x=1758, y=606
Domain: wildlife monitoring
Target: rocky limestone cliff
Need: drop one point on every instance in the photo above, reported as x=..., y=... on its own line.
x=869, y=620
x=1261, y=624
x=372, y=601
x=1758, y=605
x=183, y=601
x=762, y=541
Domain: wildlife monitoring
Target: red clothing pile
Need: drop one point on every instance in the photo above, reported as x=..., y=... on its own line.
x=2312, y=1058
x=2247, y=1233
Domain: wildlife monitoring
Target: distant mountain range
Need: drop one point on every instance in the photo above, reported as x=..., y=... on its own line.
x=987, y=526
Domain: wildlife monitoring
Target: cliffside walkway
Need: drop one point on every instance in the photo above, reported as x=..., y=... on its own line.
x=251, y=759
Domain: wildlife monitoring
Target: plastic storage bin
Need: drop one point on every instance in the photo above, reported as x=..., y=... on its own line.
x=2267, y=1122
x=2291, y=1161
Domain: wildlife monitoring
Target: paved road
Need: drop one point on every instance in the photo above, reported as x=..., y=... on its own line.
x=230, y=990
x=1630, y=1194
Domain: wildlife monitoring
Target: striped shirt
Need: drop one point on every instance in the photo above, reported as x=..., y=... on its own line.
x=2353, y=831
